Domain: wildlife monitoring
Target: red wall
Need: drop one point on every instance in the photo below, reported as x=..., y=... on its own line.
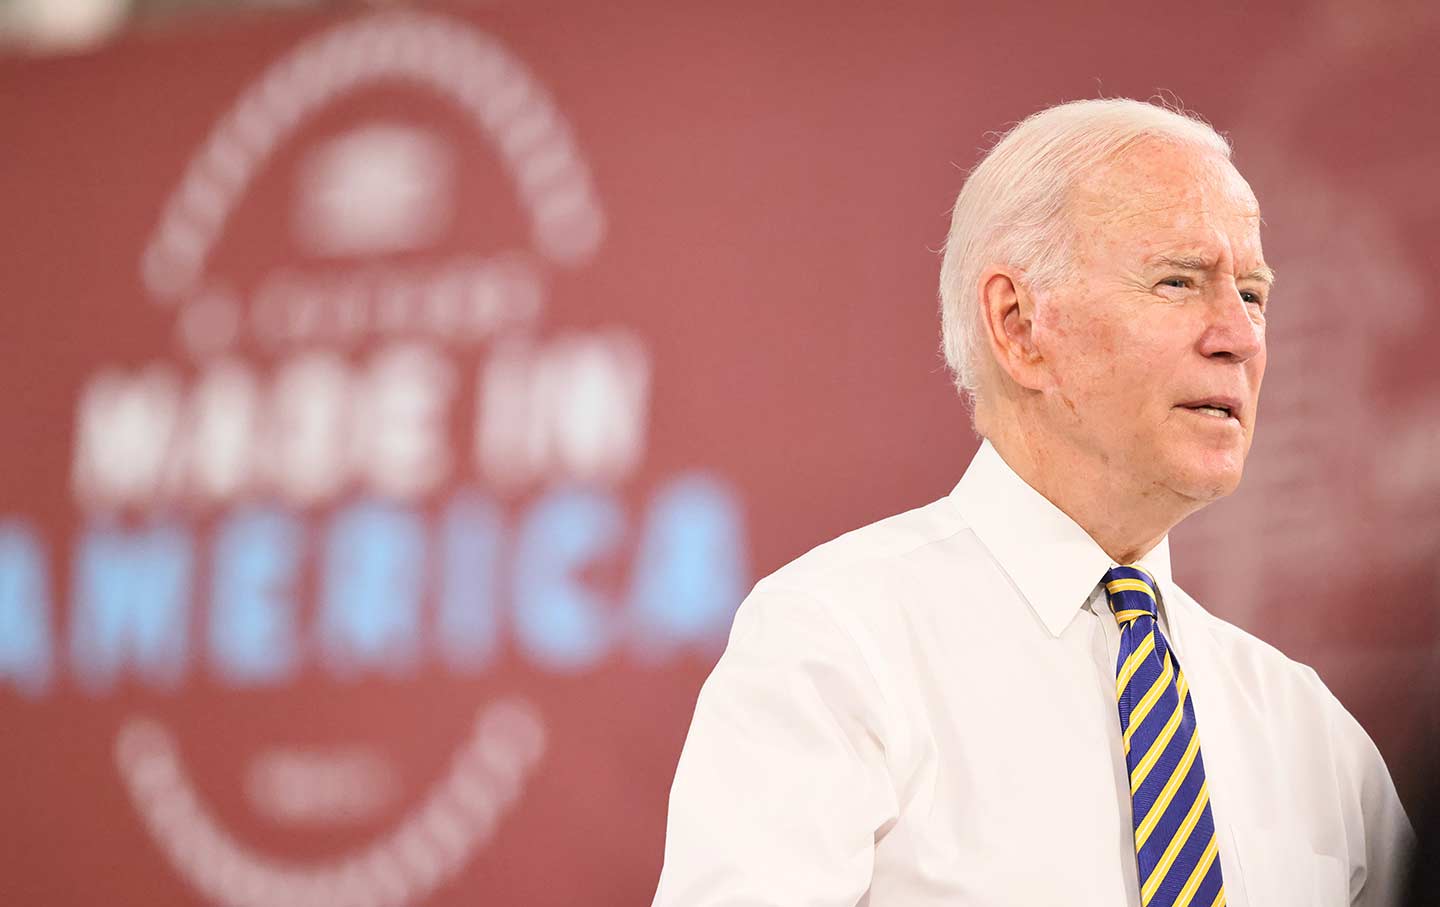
x=397, y=405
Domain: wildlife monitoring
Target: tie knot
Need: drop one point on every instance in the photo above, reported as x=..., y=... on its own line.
x=1131, y=592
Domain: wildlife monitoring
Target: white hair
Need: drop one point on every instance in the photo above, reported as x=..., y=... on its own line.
x=1012, y=208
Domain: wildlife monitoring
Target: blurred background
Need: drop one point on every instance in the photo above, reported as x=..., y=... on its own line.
x=399, y=398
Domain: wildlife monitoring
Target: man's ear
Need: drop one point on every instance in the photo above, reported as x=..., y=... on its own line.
x=1007, y=308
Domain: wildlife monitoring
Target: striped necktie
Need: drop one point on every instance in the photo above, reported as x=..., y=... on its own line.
x=1175, y=845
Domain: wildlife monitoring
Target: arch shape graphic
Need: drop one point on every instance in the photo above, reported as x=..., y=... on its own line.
x=426, y=848
x=498, y=93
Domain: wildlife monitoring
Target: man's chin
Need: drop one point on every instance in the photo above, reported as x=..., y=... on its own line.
x=1209, y=482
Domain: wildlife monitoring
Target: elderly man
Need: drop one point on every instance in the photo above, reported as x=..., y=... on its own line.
x=1003, y=697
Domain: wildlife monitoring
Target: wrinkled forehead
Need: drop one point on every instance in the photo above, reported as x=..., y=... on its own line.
x=1160, y=186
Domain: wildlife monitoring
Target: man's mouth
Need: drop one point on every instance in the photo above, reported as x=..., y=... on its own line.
x=1212, y=410
x=1214, y=407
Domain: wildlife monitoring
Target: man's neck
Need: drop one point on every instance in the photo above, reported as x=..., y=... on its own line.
x=1126, y=524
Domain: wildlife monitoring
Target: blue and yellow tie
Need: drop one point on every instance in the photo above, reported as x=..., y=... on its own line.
x=1175, y=846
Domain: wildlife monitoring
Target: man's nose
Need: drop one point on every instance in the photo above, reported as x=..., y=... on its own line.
x=1234, y=330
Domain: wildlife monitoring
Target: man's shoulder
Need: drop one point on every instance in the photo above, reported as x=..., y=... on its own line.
x=1254, y=659
x=1285, y=693
x=874, y=552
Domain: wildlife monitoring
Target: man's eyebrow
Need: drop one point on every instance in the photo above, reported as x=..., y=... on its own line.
x=1184, y=262
x=1265, y=274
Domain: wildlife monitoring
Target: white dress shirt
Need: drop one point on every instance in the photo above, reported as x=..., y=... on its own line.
x=922, y=712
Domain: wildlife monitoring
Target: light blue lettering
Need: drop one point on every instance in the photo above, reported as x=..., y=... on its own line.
x=690, y=571
x=131, y=603
x=373, y=580
x=252, y=617
x=562, y=624
x=470, y=536
x=25, y=643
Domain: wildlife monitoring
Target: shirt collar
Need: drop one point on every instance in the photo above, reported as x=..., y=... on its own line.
x=1050, y=559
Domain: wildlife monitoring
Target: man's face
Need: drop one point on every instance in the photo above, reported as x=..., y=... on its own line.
x=1163, y=314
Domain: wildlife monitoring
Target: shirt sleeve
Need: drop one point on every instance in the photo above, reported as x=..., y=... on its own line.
x=1379, y=833
x=782, y=785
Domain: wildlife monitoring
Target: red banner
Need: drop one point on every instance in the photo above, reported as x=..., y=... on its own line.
x=397, y=405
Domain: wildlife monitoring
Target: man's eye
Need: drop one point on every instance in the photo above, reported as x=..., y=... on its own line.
x=1252, y=298
x=1181, y=282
